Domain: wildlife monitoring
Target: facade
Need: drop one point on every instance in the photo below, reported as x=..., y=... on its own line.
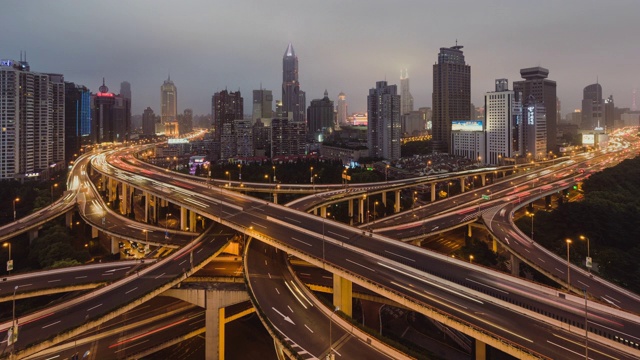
x=536, y=84
x=77, y=118
x=110, y=115
x=243, y=131
x=261, y=138
x=592, y=108
x=320, y=117
x=406, y=100
x=185, y=121
x=148, y=122
x=451, y=99
x=503, y=122
x=609, y=114
x=469, y=144
x=414, y=123
x=57, y=124
x=534, y=129
x=293, y=99
x=226, y=107
x=384, y=128
x=168, y=101
x=342, y=109
x=262, y=104
x=287, y=137
x=125, y=90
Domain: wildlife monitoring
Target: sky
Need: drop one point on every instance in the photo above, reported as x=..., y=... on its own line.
x=345, y=45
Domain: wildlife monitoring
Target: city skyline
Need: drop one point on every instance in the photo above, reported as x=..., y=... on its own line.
x=63, y=38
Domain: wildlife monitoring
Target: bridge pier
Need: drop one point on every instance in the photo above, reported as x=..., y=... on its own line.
x=461, y=185
x=33, y=234
x=342, y=294
x=192, y=221
x=515, y=265
x=483, y=179
x=68, y=219
x=124, y=199
x=114, y=245
x=396, y=204
x=494, y=245
x=433, y=192
x=146, y=206
x=384, y=198
x=350, y=202
x=94, y=232
x=480, y=350
x=275, y=198
x=183, y=218
x=361, y=210
x=323, y=211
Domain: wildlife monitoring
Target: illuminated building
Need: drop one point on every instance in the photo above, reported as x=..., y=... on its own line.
x=544, y=91
x=110, y=115
x=77, y=110
x=503, y=121
x=148, y=122
x=383, y=130
x=293, y=99
x=342, y=109
x=168, y=101
x=226, y=107
x=406, y=99
x=320, y=117
x=262, y=104
x=287, y=137
x=451, y=94
x=534, y=134
x=609, y=114
x=592, y=108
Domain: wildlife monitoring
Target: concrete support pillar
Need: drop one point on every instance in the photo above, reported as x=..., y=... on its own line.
x=494, y=245
x=384, y=198
x=469, y=231
x=323, y=211
x=114, y=245
x=480, y=350
x=504, y=174
x=417, y=242
x=183, y=218
x=461, y=185
x=361, y=211
x=124, y=199
x=342, y=296
x=396, y=204
x=275, y=198
x=433, y=192
x=146, y=206
x=68, y=219
x=315, y=211
x=214, y=322
x=94, y=232
x=483, y=178
x=192, y=221
x=33, y=234
x=515, y=265
x=350, y=202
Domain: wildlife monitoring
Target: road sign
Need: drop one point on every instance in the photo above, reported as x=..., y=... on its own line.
x=9, y=265
x=486, y=197
x=588, y=262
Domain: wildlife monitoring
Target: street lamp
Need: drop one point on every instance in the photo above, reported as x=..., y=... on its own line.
x=531, y=215
x=386, y=173
x=52, y=187
x=448, y=188
x=375, y=205
x=229, y=176
x=470, y=259
x=311, y=179
x=14, y=208
x=588, y=260
x=239, y=172
x=568, y=264
x=274, y=173
x=9, y=263
x=330, y=355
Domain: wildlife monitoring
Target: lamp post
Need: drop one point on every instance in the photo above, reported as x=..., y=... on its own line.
x=166, y=226
x=330, y=355
x=568, y=263
x=240, y=172
x=531, y=215
x=274, y=173
x=229, y=176
x=53, y=187
x=448, y=188
x=9, y=263
x=588, y=260
x=311, y=179
x=375, y=206
x=14, y=208
x=470, y=259
x=386, y=173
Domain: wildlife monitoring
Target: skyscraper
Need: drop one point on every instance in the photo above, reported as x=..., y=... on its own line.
x=544, y=91
x=342, y=109
x=383, y=131
x=503, y=124
x=320, y=116
x=534, y=139
x=406, y=100
x=77, y=108
x=168, y=101
x=226, y=107
x=262, y=104
x=451, y=94
x=609, y=114
x=592, y=108
x=125, y=90
x=148, y=122
x=293, y=99
x=110, y=115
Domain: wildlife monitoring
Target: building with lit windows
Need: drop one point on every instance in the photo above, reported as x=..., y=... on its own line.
x=503, y=119
x=384, y=128
x=293, y=98
x=536, y=84
x=168, y=101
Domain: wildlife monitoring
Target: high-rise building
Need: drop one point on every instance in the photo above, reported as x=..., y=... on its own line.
x=503, y=123
x=592, y=108
x=414, y=123
x=534, y=132
x=226, y=107
x=342, y=109
x=186, y=121
x=243, y=132
x=148, y=122
x=544, y=91
x=32, y=121
x=609, y=114
x=383, y=130
x=77, y=108
x=125, y=90
x=293, y=99
x=451, y=94
x=320, y=117
x=168, y=101
x=287, y=137
x=262, y=104
x=110, y=115
x=261, y=138
x=406, y=99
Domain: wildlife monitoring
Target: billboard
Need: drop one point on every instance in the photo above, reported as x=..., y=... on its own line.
x=466, y=125
x=178, y=141
x=588, y=139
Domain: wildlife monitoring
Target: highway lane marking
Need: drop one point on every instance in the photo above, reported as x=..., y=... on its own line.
x=342, y=236
x=294, y=295
x=269, y=275
x=53, y=357
x=95, y=307
x=294, y=220
x=527, y=250
x=398, y=255
x=618, y=301
x=306, y=243
x=107, y=274
x=286, y=318
x=183, y=261
x=277, y=291
x=159, y=276
x=123, y=268
x=562, y=272
x=265, y=262
x=197, y=252
x=507, y=240
x=81, y=277
x=256, y=224
x=541, y=260
x=355, y=263
x=564, y=348
x=56, y=280
x=129, y=347
x=57, y=322
x=131, y=290
x=582, y=344
x=583, y=283
x=290, y=309
x=491, y=287
x=308, y=328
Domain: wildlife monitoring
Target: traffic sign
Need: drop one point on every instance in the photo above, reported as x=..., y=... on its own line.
x=588, y=262
x=486, y=197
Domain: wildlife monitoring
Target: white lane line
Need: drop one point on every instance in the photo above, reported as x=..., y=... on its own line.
x=564, y=348
x=527, y=250
x=541, y=260
x=298, y=240
x=277, y=291
x=269, y=275
x=183, y=261
x=305, y=274
x=290, y=309
x=336, y=234
x=294, y=220
x=562, y=272
x=107, y=274
x=95, y=307
x=256, y=224
x=336, y=351
x=618, y=301
x=123, y=268
x=490, y=287
x=131, y=290
x=308, y=328
x=81, y=277
x=159, y=276
x=265, y=262
x=583, y=283
x=398, y=255
x=53, y=357
x=197, y=252
x=355, y=263
x=129, y=347
x=57, y=322
x=56, y=280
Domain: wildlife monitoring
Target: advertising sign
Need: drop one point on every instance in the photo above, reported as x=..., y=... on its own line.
x=466, y=125
x=588, y=139
x=10, y=265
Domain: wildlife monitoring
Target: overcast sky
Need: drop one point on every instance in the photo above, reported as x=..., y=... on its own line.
x=341, y=45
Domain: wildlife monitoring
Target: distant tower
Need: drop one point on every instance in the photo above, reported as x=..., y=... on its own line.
x=609, y=114
x=451, y=94
x=293, y=99
x=592, y=108
x=168, y=101
x=384, y=128
x=342, y=109
x=320, y=116
x=125, y=90
x=406, y=100
x=634, y=106
x=262, y=104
